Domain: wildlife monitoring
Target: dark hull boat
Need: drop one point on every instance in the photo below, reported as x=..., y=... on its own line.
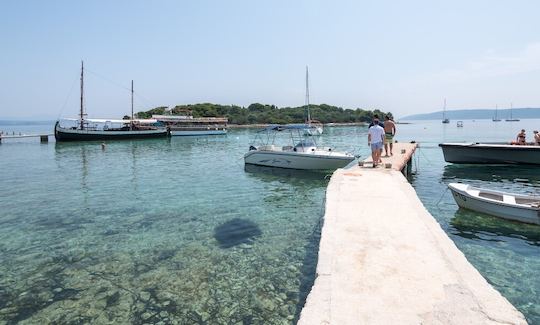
x=99, y=130
x=490, y=153
x=74, y=134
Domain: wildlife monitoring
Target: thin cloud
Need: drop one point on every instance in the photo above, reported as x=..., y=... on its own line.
x=494, y=65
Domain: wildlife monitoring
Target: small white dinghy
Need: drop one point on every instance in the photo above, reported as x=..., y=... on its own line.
x=504, y=205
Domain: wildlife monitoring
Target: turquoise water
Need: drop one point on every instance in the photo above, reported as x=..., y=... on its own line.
x=178, y=231
x=166, y=230
x=506, y=253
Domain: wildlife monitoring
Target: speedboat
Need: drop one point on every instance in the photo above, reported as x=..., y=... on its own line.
x=504, y=205
x=302, y=153
x=490, y=153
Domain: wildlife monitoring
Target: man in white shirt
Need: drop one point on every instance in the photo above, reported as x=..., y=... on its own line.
x=376, y=140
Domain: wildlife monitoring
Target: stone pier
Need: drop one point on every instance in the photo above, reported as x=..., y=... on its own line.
x=383, y=259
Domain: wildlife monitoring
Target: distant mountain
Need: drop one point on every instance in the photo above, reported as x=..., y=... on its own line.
x=25, y=122
x=477, y=114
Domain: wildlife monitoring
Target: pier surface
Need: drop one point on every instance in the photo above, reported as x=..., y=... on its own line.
x=383, y=259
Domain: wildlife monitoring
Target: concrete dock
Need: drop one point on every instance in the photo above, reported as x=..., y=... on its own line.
x=42, y=137
x=383, y=259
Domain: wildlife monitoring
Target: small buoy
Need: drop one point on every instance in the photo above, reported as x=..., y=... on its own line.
x=103, y=146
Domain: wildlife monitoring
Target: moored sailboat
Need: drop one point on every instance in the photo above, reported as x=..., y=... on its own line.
x=445, y=120
x=511, y=119
x=496, y=118
x=85, y=129
x=313, y=127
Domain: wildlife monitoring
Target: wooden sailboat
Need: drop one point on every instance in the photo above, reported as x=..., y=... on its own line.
x=313, y=127
x=445, y=120
x=106, y=129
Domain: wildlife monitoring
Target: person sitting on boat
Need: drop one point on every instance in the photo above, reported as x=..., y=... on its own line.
x=521, y=138
x=536, y=138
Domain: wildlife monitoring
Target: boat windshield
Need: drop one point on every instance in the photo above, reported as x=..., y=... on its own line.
x=295, y=132
x=305, y=143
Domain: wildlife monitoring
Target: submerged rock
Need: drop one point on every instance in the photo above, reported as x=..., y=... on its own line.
x=235, y=232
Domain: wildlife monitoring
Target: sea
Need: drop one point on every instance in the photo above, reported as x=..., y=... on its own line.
x=180, y=231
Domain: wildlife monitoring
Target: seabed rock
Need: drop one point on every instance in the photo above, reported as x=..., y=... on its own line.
x=235, y=232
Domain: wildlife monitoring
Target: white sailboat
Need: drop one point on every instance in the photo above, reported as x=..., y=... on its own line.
x=313, y=127
x=511, y=119
x=496, y=118
x=445, y=120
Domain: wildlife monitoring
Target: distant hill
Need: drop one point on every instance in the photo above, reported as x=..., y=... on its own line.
x=477, y=114
x=25, y=122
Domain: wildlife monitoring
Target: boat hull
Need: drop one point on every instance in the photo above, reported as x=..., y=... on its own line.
x=198, y=132
x=495, y=208
x=63, y=134
x=477, y=153
x=297, y=160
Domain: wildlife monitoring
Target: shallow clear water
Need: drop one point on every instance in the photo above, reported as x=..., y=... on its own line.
x=170, y=230
x=506, y=253
x=179, y=231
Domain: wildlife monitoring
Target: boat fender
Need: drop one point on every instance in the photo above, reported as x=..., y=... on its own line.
x=294, y=149
x=329, y=149
x=312, y=149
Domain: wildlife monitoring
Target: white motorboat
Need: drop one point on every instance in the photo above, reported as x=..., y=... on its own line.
x=504, y=205
x=302, y=154
x=490, y=153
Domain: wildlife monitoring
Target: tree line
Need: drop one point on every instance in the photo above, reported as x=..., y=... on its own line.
x=268, y=114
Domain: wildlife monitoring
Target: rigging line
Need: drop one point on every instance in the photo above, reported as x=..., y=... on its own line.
x=441, y=197
x=67, y=98
x=145, y=102
x=108, y=79
x=425, y=157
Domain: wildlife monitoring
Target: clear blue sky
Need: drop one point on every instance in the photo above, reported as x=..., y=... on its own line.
x=399, y=56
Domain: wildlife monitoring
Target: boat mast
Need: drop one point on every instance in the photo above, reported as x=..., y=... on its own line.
x=307, y=96
x=444, y=110
x=82, y=96
x=511, y=106
x=131, y=124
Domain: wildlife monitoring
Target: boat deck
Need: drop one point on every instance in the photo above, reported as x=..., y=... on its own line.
x=383, y=259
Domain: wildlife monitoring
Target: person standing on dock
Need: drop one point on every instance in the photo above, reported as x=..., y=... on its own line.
x=536, y=138
x=376, y=140
x=376, y=118
x=389, y=132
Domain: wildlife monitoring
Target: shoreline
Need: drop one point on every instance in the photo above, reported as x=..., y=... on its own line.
x=254, y=126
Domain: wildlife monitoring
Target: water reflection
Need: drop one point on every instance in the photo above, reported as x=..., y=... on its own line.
x=272, y=173
x=497, y=173
x=477, y=226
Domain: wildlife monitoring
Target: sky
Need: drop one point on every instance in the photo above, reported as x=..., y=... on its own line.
x=400, y=56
